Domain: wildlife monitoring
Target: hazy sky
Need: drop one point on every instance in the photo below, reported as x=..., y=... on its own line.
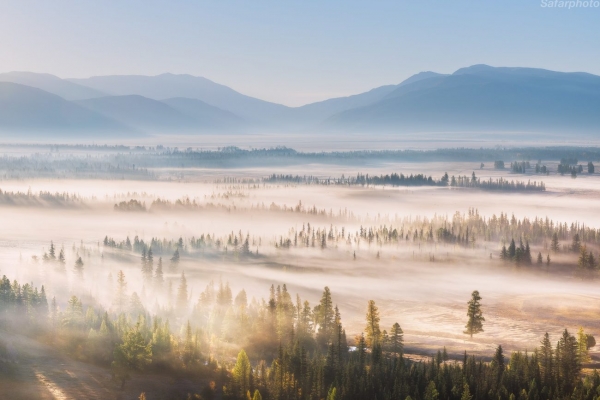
x=293, y=52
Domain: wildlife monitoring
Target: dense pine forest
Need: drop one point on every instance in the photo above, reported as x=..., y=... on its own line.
x=289, y=350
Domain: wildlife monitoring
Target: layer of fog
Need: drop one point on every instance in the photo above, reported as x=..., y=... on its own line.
x=427, y=299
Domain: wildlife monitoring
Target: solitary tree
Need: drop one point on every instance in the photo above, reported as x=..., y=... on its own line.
x=372, y=330
x=475, y=322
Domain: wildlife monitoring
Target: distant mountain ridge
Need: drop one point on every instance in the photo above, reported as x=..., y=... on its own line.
x=52, y=84
x=484, y=98
x=30, y=110
x=167, y=86
x=476, y=98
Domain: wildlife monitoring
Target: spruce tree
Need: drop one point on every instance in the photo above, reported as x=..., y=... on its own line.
x=527, y=253
x=504, y=253
x=325, y=317
x=476, y=319
x=567, y=360
x=466, y=395
x=373, y=332
x=591, y=261
x=576, y=245
x=554, y=245
x=583, y=257
x=120, y=292
x=52, y=252
x=546, y=361
x=182, y=295
x=512, y=249
x=79, y=268
x=431, y=392
x=397, y=340
x=498, y=363
x=149, y=267
x=175, y=259
x=158, y=275
x=242, y=374
x=583, y=353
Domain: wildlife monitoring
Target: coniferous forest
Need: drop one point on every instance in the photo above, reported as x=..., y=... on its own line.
x=141, y=275
x=299, y=200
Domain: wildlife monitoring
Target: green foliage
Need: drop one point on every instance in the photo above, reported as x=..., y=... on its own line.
x=242, y=374
x=476, y=319
x=373, y=332
x=133, y=354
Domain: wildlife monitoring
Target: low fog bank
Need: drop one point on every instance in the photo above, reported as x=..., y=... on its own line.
x=424, y=285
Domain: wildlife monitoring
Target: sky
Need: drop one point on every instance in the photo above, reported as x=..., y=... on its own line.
x=294, y=52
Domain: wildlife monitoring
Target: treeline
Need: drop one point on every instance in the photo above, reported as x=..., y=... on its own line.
x=461, y=229
x=137, y=162
x=291, y=350
x=466, y=229
x=39, y=199
x=103, y=166
x=395, y=179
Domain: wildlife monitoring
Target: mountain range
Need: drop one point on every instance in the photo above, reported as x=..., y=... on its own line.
x=473, y=99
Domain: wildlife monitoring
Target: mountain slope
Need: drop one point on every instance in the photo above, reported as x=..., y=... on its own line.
x=167, y=86
x=484, y=98
x=140, y=112
x=34, y=111
x=52, y=84
x=177, y=115
x=319, y=111
x=209, y=116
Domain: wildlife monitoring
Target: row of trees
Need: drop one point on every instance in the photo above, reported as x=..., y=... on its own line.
x=395, y=179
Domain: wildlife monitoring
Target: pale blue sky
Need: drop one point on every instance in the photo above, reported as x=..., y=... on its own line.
x=293, y=52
